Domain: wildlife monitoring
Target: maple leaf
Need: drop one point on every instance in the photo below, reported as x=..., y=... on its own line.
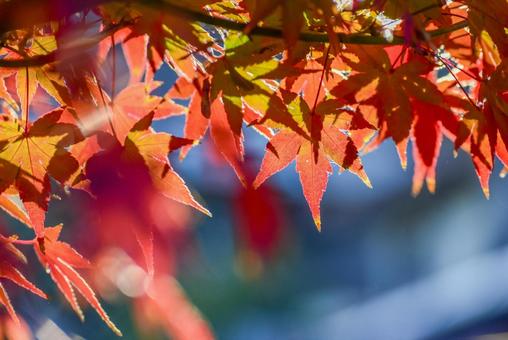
x=314, y=78
x=7, y=103
x=483, y=21
x=219, y=101
x=375, y=80
x=260, y=225
x=60, y=261
x=135, y=51
x=15, y=330
x=235, y=83
x=29, y=154
x=198, y=110
x=153, y=148
x=135, y=102
x=171, y=35
x=430, y=123
x=483, y=131
x=10, y=256
x=323, y=140
x=139, y=170
x=232, y=79
x=9, y=205
x=118, y=116
x=29, y=79
x=166, y=305
x=409, y=106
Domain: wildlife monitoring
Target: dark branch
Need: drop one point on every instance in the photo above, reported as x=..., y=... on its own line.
x=359, y=39
x=13, y=14
x=67, y=52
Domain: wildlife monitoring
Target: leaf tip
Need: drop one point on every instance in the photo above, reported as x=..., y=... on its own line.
x=257, y=182
x=80, y=315
x=503, y=173
x=367, y=182
x=402, y=152
x=416, y=189
x=317, y=222
x=431, y=185
x=206, y=212
x=115, y=329
x=403, y=164
x=242, y=179
x=486, y=192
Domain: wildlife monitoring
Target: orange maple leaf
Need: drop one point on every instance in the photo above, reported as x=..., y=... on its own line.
x=60, y=261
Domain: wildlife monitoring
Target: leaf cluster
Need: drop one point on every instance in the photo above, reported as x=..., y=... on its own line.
x=323, y=81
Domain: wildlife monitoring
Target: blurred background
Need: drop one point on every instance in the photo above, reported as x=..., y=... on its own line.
x=385, y=265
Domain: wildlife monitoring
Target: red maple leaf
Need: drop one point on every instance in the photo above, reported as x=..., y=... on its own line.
x=320, y=140
x=10, y=257
x=60, y=261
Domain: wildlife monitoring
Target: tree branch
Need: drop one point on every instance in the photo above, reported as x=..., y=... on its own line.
x=68, y=52
x=359, y=39
x=58, y=9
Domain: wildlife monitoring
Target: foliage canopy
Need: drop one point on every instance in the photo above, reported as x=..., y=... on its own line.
x=324, y=81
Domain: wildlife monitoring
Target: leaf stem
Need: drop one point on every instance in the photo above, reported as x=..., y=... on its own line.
x=400, y=56
x=458, y=82
x=106, y=106
x=15, y=240
x=321, y=80
x=66, y=51
x=113, y=71
x=27, y=98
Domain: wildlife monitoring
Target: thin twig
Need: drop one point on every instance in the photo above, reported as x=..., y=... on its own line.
x=321, y=80
x=51, y=57
x=458, y=82
x=106, y=106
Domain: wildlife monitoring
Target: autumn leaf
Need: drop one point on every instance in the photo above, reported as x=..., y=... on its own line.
x=429, y=126
x=10, y=257
x=166, y=305
x=60, y=261
x=323, y=142
x=29, y=154
x=483, y=131
x=390, y=89
x=220, y=101
x=153, y=149
x=198, y=110
x=321, y=80
x=28, y=79
x=483, y=20
x=118, y=115
x=134, y=48
x=260, y=225
x=122, y=176
x=133, y=103
x=11, y=204
x=182, y=39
